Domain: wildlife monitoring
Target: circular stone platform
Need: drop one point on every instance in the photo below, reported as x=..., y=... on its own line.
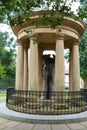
x=13, y=115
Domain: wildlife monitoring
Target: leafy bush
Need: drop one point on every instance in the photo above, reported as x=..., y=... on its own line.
x=5, y=83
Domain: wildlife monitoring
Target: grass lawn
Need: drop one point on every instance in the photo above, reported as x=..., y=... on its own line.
x=2, y=94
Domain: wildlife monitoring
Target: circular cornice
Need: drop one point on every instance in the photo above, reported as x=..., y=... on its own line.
x=78, y=25
x=64, y=30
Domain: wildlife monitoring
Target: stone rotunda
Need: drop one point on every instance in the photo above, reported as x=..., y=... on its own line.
x=29, y=72
x=40, y=78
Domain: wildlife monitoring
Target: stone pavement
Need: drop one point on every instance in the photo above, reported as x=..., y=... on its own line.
x=31, y=118
x=11, y=120
x=6, y=124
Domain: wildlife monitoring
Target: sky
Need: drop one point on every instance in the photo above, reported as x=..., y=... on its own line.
x=4, y=27
x=75, y=6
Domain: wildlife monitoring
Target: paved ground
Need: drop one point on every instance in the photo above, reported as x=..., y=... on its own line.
x=10, y=124
x=30, y=118
x=6, y=124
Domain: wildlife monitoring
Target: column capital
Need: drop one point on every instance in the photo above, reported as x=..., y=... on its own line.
x=60, y=36
x=76, y=42
x=33, y=35
x=23, y=43
x=34, y=38
x=19, y=42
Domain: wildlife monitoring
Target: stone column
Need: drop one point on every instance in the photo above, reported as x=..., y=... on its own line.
x=76, y=68
x=70, y=70
x=40, y=69
x=20, y=66
x=59, y=64
x=33, y=69
x=28, y=65
x=25, y=67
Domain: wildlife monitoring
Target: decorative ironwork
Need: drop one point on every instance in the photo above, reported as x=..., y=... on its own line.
x=35, y=102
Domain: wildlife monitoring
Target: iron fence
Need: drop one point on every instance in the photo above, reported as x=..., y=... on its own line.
x=36, y=102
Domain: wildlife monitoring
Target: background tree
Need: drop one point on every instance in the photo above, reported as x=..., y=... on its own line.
x=82, y=10
x=17, y=8
x=83, y=58
x=83, y=43
x=7, y=56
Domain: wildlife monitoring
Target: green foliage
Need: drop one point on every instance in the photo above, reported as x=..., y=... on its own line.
x=6, y=83
x=7, y=56
x=83, y=56
x=10, y=9
x=82, y=11
x=2, y=72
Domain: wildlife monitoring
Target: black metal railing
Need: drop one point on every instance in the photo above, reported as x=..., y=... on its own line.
x=35, y=102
